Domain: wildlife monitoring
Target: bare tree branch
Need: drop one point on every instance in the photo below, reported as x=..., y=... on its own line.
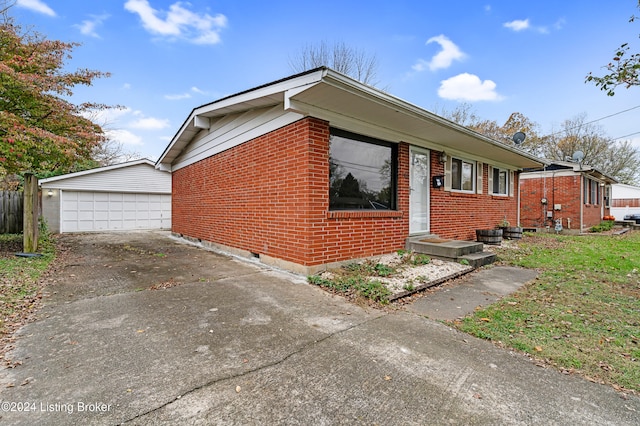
x=340, y=57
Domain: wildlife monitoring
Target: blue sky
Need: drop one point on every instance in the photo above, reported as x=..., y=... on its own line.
x=167, y=57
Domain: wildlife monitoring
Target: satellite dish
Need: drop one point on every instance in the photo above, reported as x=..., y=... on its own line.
x=518, y=138
x=578, y=156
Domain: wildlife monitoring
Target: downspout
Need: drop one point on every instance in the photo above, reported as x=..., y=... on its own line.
x=582, y=179
x=518, y=202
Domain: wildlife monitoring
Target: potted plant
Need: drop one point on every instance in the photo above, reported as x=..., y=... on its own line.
x=510, y=232
x=489, y=236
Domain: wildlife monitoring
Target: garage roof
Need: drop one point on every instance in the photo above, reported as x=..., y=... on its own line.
x=351, y=105
x=132, y=176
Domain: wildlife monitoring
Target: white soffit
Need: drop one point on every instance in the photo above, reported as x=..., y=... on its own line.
x=411, y=124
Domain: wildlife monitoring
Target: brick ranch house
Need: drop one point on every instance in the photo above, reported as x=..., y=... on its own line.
x=317, y=168
x=576, y=194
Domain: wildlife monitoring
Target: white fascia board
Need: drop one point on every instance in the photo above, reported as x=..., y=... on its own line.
x=402, y=106
x=242, y=101
x=548, y=174
x=96, y=170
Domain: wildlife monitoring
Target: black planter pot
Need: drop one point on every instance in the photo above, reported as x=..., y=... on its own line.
x=489, y=236
x=511, y=232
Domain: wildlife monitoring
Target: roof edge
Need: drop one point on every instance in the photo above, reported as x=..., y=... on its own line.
x=98, y=170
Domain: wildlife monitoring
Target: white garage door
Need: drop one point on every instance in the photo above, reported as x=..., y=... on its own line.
x=114, y=211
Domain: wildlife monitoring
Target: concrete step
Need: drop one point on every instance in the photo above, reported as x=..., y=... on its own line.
x=479, y=259
x=451, y=250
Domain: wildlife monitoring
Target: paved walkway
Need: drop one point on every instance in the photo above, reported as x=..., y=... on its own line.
x=480, y=288
x=141, y=329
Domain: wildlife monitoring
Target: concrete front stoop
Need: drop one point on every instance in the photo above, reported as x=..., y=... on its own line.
x=451, y=250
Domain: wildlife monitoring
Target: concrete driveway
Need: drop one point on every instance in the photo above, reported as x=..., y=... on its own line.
x=142, y=329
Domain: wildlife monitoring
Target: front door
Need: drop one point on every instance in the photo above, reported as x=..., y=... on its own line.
x=419, y=191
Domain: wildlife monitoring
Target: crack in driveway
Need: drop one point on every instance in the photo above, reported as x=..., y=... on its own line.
x=300, y=350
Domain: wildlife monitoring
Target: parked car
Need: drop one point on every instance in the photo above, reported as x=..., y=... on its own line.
x=635, y=217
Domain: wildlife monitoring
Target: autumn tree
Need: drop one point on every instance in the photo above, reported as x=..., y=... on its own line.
x=41, y=131
x=620, y=160
x=623, y=70
x=340, y=57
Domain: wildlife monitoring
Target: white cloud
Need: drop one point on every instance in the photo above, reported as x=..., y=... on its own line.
x=517, y=25
x=88, y=26
x=444, y=58
x=150, y=123
x=126, y=86
x=124, y=136
x=179, y=22
x=177, y=97
x=186, y=95
x=524, y=24
x=468, y=87
x=37, y=6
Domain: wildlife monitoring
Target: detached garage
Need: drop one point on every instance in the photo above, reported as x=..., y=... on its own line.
x=121, y=197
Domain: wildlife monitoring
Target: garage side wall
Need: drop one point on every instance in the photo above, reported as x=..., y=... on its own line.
x=51, y=209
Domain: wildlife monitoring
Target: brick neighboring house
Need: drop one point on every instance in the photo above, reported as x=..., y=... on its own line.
x=576, y=194
x=317, y=169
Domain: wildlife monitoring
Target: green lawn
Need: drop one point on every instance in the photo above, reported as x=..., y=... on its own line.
x=19, y=279
x=582, y=313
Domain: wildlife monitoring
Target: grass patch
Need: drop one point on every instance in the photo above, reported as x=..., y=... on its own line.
x=606, y=225
x=19, y=278
x=582, y=313
x=355, y=279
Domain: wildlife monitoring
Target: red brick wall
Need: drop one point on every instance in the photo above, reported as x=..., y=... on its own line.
x=563, y=190
x=270, y=196
x=457, y=215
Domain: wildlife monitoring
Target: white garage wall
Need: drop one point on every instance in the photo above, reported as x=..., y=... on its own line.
x=127, y=196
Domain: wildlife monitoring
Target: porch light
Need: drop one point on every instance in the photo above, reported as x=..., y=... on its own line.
x=50, y=193
x=443, y=157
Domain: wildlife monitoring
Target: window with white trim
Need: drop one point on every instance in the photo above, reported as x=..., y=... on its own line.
x=500, y=181
x=591, y=191
x=463, y=175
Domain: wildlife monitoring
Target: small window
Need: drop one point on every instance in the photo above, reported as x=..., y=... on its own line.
x=462, y=175
x=500, y=181
x=591, y=191
x=362, y=172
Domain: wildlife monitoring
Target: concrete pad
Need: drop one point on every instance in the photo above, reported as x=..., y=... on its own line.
x=464, y=295
x=262, y=347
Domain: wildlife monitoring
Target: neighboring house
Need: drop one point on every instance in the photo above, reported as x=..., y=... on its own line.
x=575, y=194
x=317, y=169
x=625, y=200
x=127, y=196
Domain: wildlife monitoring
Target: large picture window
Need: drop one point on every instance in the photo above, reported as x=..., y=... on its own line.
x=500, y=180
x=362, y=172
x=462, y=175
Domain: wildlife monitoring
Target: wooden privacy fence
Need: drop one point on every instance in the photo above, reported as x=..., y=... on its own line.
x=11, y=212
